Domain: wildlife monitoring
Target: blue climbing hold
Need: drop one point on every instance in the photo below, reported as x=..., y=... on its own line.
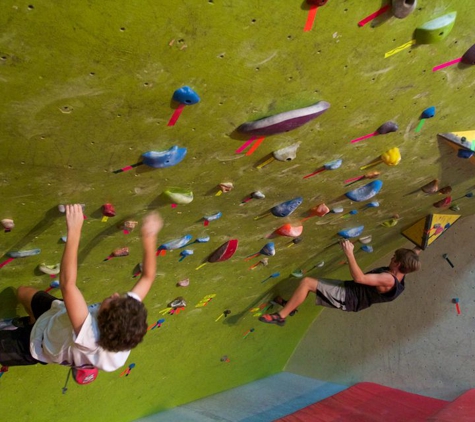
x=367, y=248
x=176, y=243
x=185, y=95
x=428, y=113
x=353, y=232
x=365, y=192
x=268, y=249
x=163, y=159
x=23, y=254
x=464, y=153
x=286, y=208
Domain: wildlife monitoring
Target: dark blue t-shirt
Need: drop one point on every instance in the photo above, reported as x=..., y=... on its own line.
x=361, y=296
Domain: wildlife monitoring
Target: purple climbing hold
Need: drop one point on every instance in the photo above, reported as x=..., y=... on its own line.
x=469, y=56
x=284, y=122
x=387, y=127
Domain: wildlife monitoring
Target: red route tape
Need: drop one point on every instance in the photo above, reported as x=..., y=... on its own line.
x=310, y=18
x=369, y=18
x=176, y=114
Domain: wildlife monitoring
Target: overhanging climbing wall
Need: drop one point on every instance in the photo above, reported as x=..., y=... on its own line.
x=87, y=89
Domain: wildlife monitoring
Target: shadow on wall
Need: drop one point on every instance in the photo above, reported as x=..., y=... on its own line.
x=8, y=303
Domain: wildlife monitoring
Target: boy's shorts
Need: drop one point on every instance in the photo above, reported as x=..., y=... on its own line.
x=15, y=344
x=331, y=293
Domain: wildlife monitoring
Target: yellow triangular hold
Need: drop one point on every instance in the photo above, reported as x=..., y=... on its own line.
x=428, y=229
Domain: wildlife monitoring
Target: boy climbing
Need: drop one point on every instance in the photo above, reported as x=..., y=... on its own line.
x=380, y=285
x=70, y=332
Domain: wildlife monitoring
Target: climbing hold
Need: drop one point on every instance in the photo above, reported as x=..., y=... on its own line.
x=469, y=56
x=117, y=253
x=224, y=252
x=431, y=187
x=174, y=244
x=128, y=226
x=24, y=253
x=366, y=239
x=8, y=224
x=108, y=210
x=286, y=208
x=365, y=192
x=403, y=8
x=212, y=217
x=225, y=187
x=185, y=253
x=268, y=249
x=385, y=128
x=337, y=210
x=390, y=223
x=289, y=230
x=391, y=157
x=50, y=269
x=178, y=302
x=464, y=153
x=179, y=196
x=428, y=113
x=435, y=30
x=446, y=190
x=332, y=165
x=274, y=275
x=163, y=159
x=53, y=285
x=284, y=122
x=283, y=154
x=288, y=153
x=467, y=195
x=319, y=211
x=455, y=207
x=203, y=239
x=443, y=202
x=183, y=283
x=367, y=248
x=372, y=204
x=185, y=95
x=254, y=195
x=353, y=232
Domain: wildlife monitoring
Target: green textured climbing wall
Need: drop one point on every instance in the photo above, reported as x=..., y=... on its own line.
x=86, y=88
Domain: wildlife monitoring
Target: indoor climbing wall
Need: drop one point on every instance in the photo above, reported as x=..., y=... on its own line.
x=261, y=132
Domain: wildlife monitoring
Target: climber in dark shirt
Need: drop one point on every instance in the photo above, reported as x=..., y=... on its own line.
x=382, y=284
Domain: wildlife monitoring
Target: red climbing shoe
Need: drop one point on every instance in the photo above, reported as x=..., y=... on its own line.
x=272, y=319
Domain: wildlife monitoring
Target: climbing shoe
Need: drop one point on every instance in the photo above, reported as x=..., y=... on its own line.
x=272, y=319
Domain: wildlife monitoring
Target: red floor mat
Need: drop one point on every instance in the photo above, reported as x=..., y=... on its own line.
x=368, y=402
x=462, y=409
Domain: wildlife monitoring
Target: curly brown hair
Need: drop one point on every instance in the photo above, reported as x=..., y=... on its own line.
x=122, y=325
